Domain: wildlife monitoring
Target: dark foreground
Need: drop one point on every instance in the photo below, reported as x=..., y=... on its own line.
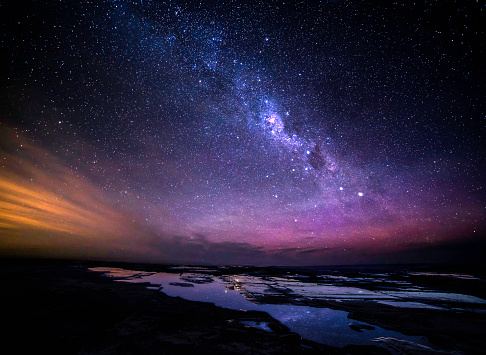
x=62, y=307
x=54, y=307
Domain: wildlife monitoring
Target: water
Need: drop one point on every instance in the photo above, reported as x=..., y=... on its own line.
x=322, y=325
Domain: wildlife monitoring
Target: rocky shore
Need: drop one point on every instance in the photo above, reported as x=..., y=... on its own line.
x=62, y=308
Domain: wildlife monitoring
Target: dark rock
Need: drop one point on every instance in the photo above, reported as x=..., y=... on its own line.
x=197, y=279
x=406, y=347
x=181, y=284
x=58, y=309
x=359, y=327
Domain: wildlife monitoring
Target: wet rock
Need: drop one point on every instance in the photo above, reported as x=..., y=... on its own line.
x=407, y=348
x=290, y=337
x=197, y=278
x=181, y=284
x=359, y=327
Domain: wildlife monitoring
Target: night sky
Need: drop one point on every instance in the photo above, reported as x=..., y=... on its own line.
x=232, y=132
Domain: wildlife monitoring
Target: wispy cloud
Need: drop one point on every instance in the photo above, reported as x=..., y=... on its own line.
x=46, y=206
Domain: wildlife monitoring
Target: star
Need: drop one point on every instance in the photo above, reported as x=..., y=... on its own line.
x=184, y=133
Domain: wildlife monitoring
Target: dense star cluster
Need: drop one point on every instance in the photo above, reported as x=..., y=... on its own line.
x=236, y=132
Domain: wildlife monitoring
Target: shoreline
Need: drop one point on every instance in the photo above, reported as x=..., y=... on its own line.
x=67, y=309
x=63, y=307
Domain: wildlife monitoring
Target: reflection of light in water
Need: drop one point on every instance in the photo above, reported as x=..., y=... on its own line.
x=454, y=275
x=121, y=273
x=259, y=325
x=322, y=325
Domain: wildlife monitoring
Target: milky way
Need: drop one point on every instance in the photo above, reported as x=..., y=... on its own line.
x=242, y=133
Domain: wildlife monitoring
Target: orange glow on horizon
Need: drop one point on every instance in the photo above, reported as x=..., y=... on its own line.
x=44, y=205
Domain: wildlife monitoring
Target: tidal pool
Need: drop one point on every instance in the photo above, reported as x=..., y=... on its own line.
x=322, y=325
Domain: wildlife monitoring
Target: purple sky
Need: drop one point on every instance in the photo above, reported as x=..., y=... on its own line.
x=266, y=134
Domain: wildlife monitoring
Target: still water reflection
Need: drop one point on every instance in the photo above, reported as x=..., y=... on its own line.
x=322, y=325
